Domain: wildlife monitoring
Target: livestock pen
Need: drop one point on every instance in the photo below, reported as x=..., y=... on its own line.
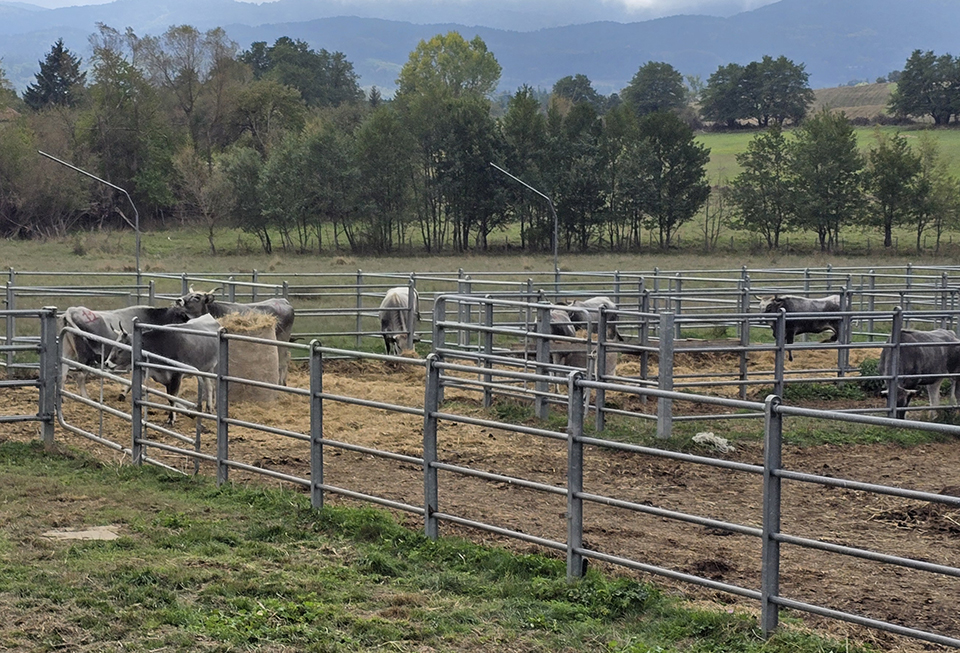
x=439, y=439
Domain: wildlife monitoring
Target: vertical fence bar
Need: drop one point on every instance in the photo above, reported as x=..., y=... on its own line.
x=770, y=547
x=780, y=355
x=316, y=425
x=11, y=320
x=488, y=352
x=576, y=566
x=665, y=375
x=846, y=330
x=893, y=367
x=136, y=393
x=152, y=292
x=223, y=408
x=359, y=288
x=744, y=329
x=601, y=367
x=184, y=286
x=543, y=358
x=872, y=302
x=431, y=404
x=49, y=363
x=231, y=289
x=254, y=291
x=413, y=311
x=644, y=338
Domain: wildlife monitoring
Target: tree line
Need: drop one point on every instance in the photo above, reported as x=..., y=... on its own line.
x=281, y=141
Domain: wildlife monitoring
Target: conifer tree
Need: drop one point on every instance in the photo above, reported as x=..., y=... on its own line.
x=59, y=82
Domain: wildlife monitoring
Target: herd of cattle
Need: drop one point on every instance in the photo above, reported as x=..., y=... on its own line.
x=936, y=357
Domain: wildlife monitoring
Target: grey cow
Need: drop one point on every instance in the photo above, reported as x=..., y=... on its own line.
x=796, y=304
x=940, y=356
x=395, y=319
x=585, y=314
x=197, y=351
x=106, y=324
x=202, y=303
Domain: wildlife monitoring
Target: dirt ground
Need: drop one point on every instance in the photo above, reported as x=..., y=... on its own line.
x=836, y=515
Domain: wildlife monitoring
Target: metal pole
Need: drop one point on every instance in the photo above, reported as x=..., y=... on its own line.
x=11, y=320
x=136, y=214
x=223, y=405
x=431, y=405
x=49, y=363
x=136, y=394
x=893, y=368
x=359, y=288
x=543, y=358
x=576, y=566
x=780, y=354
x=665, y=376
x=770, y=547
x=553, y=212
x=488, y=351
x=316, y=425
x=601, y=366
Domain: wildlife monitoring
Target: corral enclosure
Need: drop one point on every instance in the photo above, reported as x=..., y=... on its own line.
x=357, y=426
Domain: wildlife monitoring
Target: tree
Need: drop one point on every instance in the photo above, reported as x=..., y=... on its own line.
x=762, y=192
x=264, y=111
x=928, y=86
x=449, y=66
x=324, y=79
x=675, y=180
x=524, y=131
x=242, y=167
x=577, y=89
x=383, y=149
x=723, y=100
x=937, y=191
x=828, y=170
x=892, y=177
x=8, y=96
x=59, y=82
x=656, y=86
x=204, y=191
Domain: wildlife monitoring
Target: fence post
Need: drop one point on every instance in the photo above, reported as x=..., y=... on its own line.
x=231, y=289
x=601, y=367
x=576, y=566
x=665, y=376
x=893, y=368
x=316, y=425
x=770, y=547
x=184, y=286
x=488, y=352
x=616, y=287
x=744, y=328
x=359, y=288
x=943, y=300
x=844, y=337
x=255, y=278
x=872, y=302
x=431, y=404
x=543, y=358
x=779, y=356
x=413, y=310
x=152, y=292
x=11, y=320
x=644, y=336
x=223, y=406
x=49, y=364
x=136, y=393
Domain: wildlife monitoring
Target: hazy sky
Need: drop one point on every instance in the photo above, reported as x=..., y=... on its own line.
x=647, y=7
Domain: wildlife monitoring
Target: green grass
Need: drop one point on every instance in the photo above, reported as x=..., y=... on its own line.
x=202, y=568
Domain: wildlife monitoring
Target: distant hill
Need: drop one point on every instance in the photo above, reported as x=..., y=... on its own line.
x=861, y=101
x=837, y=41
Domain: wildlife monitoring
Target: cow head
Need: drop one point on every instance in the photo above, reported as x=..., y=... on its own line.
x=770, y=303
x=904, y=395
x=195, y=303
x=119, y=358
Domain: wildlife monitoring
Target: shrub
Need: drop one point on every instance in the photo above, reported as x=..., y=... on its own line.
x=871, y=367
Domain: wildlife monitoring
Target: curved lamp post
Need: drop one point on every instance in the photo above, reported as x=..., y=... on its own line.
x=553, y=211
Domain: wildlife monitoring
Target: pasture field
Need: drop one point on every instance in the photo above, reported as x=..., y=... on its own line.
x=724, y=146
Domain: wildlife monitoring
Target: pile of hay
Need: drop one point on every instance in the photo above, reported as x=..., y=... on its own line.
x=249, y=360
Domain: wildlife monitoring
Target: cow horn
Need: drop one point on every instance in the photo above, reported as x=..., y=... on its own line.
x=192, y=291
x=215, y=290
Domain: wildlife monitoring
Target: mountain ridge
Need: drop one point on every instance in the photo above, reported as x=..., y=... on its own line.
x=837, y=42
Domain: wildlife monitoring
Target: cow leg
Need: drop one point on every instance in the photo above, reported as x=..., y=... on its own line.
x=788, y=340
x=284, y=358
x=173, y=389
x=933, y=393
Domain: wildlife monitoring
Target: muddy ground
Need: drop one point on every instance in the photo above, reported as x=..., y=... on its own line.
x=840, y=516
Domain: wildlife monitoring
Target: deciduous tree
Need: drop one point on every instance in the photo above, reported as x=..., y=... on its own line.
x=656, y=86
x=892, y=177
x=762, y=193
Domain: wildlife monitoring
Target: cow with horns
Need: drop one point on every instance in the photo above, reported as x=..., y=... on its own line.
x=795, y=304
x=927, y=359
x=108, y=325
x=204, y=303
